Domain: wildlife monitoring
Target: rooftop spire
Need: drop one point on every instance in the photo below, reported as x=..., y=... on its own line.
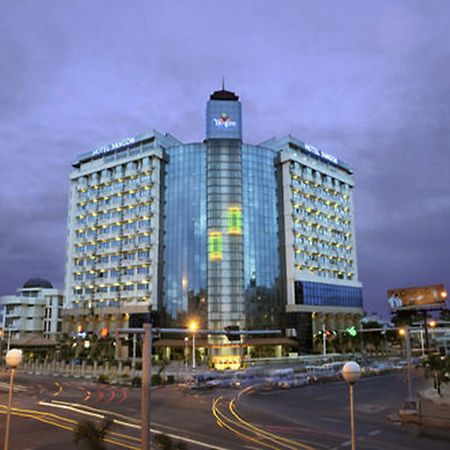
x=224, y=94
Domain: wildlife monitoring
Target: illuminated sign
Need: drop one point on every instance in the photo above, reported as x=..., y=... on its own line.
x=114, y=146
x=215, y=246
x=234, y=220
x=417, y=297
x=320, y=153
x=224, y=121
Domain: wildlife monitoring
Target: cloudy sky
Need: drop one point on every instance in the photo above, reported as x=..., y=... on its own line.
x=366, y=81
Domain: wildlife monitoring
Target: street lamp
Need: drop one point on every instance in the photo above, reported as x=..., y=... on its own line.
x=13, y=359
x=193, y=327
x=404, y=332
x=186, y=340
x=351, y=373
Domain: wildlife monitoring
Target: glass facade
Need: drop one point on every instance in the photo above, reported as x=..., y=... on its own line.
x=261, y=237
x=224, y=209
x=184, y=242
x=321, y=294
x=230, y=234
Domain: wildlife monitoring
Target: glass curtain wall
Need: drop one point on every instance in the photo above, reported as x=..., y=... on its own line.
x=261, y=238
x=225, y=242
x=184, y=260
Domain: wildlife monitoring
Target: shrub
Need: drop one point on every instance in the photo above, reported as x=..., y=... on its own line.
x=136, y=381
x=170, y=379
x=94, y=434
x=156, y=379
x=103, y=379
x=165, y=442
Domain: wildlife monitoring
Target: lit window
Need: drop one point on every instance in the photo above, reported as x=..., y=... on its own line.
x=234, y=220
x=215, y=246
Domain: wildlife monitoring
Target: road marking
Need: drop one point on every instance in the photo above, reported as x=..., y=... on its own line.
x=86, y=410
x=346, y=444
x=374, y=433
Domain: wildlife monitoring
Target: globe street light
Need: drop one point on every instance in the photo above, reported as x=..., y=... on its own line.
x=193, y=327
x=13, y=359
x=351, y=373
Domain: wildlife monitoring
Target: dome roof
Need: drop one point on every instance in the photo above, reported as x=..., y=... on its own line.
x=37, y=283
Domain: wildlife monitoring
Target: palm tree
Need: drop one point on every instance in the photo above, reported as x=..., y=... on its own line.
x=94, y=434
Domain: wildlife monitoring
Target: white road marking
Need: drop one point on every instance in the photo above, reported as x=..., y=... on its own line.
x=374, y=433
x=330, y=419
x=346, y=444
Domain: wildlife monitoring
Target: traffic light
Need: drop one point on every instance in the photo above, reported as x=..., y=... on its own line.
x=352, y=331
x=104, y=332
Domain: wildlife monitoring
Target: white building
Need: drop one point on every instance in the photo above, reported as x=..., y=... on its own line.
x=318, y=255
x=112, y=263
x=222, y=232
x=34, y=311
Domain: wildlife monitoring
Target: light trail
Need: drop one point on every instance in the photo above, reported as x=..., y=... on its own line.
x=123, y=420
x=288, y=443
x=60, y=389
x=221, y=419
x=259, y=435
x=69, y=425
x=87, y=393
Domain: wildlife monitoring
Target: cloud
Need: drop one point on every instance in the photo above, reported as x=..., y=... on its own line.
x=364, y=81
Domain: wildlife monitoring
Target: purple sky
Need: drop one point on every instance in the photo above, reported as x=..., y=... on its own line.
x=366, y=81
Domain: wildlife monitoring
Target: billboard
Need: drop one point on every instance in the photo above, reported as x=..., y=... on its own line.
x=421, y=297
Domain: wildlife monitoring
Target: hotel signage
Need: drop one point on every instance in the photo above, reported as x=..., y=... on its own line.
x=320, y=153
x=224, y=121
x=114, y=146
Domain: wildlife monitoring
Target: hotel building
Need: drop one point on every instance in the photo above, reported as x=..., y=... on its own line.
x=229, y=233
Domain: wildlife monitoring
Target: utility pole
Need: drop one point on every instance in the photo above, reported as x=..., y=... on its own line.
x=408, y=358
x=422, y=345
x=425, y=324
x=324, y=341
x=133, y=360
x=8, y=343
x=145, y=387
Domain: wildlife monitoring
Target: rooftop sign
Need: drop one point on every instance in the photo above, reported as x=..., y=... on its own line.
x=114, y=146
x=320, y=153
x=224, y=121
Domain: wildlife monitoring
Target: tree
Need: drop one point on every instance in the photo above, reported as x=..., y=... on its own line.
x=94, y=434
x=438, y=367
x=165, y=442
x=444, y=314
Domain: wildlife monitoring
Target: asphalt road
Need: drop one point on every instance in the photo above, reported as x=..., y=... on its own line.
x=312, y=417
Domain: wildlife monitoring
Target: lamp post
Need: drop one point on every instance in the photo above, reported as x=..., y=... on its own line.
x=13, y=359
x=186, y=340
x=351, y=373
x=324, y=342
x=146, y=386
x=193, y=327
x=405, y=332
x=422, y=344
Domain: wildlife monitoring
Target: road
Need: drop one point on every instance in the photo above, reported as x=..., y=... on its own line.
x=312, y=417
